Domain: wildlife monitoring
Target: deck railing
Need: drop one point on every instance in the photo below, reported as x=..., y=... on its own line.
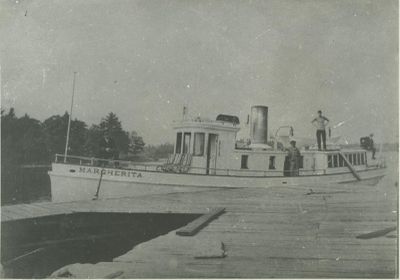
x=92, y=161
x=124, y=164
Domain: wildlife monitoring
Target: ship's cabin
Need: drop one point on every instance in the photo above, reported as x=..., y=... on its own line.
x=210, y=147
x=204, y=145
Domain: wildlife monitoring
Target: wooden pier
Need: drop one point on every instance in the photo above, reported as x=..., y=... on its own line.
x=278, y=232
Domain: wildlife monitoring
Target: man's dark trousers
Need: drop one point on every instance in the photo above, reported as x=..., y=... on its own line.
x=321, y=134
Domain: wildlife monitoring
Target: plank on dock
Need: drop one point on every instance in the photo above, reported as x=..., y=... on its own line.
x=377, y=233
x=195, y=226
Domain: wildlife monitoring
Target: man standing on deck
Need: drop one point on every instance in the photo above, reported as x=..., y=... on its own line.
x=294, y=158
x=321, y=122
x=371, y=145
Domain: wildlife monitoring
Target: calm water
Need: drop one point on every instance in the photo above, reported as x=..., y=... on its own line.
x=392, y=173
x=34, y=248
x=25, y=185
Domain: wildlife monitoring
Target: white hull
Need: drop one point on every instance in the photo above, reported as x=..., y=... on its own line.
x=73, y=182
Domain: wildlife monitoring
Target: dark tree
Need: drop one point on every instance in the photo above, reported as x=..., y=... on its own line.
x=55, y=129
x=92, y=144
x=32, y=143
x=112, y=125
x=23, y=140
x=136, y=143
x=23, y=143
x=159, y=151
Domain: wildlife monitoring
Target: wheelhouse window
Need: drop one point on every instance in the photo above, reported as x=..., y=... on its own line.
x=178, y=143
x=271, y=162
x=244, y=162
x=186, y=142
x=354, y=159
x=362, y=159
x=358, y=158
x=198, y=147
x=350, y=158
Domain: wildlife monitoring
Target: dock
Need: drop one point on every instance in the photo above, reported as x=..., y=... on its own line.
x=331, y=231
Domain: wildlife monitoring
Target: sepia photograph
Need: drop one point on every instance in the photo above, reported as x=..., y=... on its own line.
x=199, y=139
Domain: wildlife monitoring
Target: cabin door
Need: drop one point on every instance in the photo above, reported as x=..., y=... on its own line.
x=212, y=153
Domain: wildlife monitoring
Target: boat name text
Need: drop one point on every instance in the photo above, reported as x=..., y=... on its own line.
x=119, y=173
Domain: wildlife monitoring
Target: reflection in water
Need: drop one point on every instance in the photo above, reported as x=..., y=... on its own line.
x=24, y=184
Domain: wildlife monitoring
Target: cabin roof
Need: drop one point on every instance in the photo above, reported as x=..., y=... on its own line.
x=204, y=124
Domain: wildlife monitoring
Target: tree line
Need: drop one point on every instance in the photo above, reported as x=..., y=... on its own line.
x=27, y=141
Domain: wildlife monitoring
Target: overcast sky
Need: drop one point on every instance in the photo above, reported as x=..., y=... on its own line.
x=144, y=60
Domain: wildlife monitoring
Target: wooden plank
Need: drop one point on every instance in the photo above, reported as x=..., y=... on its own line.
x=377, y=233
x=5, y=216
x=23, y=257
x=195, y=226
x=18, y=213
x=351, y=168
x=33, y=212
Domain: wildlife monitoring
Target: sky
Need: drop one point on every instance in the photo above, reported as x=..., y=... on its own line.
x=145, y=60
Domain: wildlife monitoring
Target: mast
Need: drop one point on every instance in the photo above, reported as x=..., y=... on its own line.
x=69, y=119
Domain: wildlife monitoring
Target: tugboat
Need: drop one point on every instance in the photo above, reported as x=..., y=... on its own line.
x=207, y=154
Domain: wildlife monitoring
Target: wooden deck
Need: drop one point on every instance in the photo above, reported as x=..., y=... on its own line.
x=280, y=232
x=117, y=205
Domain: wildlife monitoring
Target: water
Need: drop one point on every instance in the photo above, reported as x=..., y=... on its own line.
x=392, y=172
x=35, y=248
x=25, y=184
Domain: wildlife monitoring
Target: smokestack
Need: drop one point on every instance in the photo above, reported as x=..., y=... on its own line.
x=259, y=125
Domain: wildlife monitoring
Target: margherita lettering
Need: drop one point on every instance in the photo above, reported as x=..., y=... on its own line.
x=115, y=173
